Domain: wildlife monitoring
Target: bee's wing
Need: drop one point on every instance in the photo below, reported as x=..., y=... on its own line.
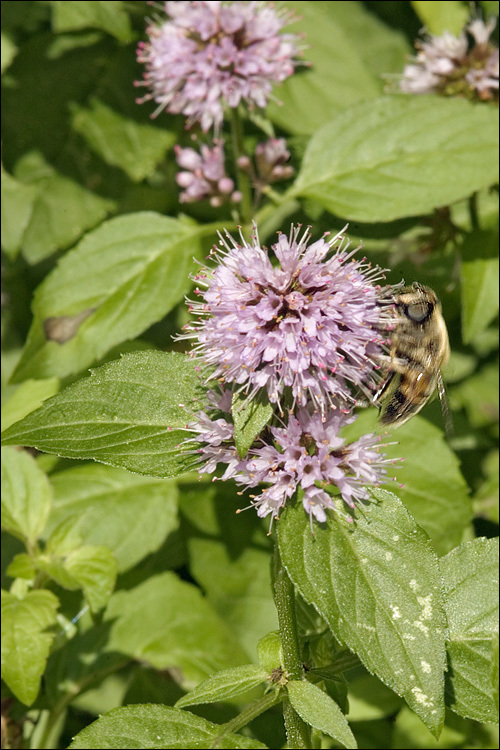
x=445, y=407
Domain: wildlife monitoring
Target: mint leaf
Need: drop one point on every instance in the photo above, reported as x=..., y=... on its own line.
x=223, y=685
x=130, y=514
x=17, y=206
x=62, y=210
x=102, y=14
x=130, y=413
x=337, y=76
x=389, y=158
x=377, y=585
x=135, y=147
x=25, y=645
x=26, y=496
x=250, y=416
x=469, y=574
x=27, y=397
x=169, y=624
x=154, y=726
x=121, y=278
x=318, y=710
x=450, y=15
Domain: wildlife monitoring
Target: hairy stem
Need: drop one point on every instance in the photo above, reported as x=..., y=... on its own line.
x=297, y=731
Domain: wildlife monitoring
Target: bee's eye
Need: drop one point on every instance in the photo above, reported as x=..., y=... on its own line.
x=419, y=311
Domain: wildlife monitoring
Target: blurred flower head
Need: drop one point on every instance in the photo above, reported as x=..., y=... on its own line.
x=307, y=454
x=271, y=158
x=210, y=55
x=204, y=176
x=466, y=65
x=304, y=324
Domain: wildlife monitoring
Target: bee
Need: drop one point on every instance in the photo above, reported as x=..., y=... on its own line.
x=419, y=349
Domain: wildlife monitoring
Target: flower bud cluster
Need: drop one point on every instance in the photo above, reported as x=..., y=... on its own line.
x=204, y=176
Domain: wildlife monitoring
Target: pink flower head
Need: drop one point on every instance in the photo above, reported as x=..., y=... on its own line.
x=306, y=326
x=204, y=176
x=271, y=159
x=210, y=55
x=466, y=65
x=306, y=453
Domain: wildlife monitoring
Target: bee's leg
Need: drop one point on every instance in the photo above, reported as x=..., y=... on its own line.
x=378, y=397
x=396, y=364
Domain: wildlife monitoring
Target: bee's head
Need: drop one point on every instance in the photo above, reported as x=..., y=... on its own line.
x=417, y=303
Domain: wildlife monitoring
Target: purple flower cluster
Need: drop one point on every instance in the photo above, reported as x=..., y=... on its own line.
x=454, y=66
x=306, y=325
x=309, y=324
x=210, y=55
x=306, y=453
x=204, y=176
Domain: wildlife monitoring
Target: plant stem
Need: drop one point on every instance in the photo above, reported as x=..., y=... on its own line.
x=241, y=176
x=249, y=714
x=297, y=731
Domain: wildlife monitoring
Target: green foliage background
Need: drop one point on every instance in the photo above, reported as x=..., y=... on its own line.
x=146, y=581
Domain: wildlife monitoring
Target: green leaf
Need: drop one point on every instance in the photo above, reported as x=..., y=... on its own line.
x=389, y=158
x=249, y=417
x=447, y=15
x=9, y=51
x=26, y=398
x=495, y=668
x=122, y=278
x=434, y=490
x=469, y=574
x=94, y=568
x=153, y=726
x=224, y=685
x=120, y=141
x=25, y=646
x=62, y=209
x=318, y=710
x=108, y=15
x=336, y=79
x=130, y=514
x=130, y=413
x=169, y=624
x=377, y=585
x=26, y=496
x=22, y=566
x=479, y=283
x=17, y=207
